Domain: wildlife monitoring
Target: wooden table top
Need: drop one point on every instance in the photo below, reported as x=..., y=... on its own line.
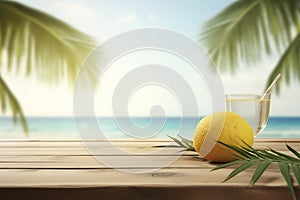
x=66, y=170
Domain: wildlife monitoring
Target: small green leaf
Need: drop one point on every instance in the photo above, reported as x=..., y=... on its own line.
x=247, y=146
x=177, y=141
x=234, y=153
x=8, y=98
x=264, y=154
x=296, y=171
x=242, y=152
x=262, y=166
x=241, y=168
x=232, y=163
x=284, y=169
x=286, y=157
x=293, y=151
x=188, y=143
x=184, y=144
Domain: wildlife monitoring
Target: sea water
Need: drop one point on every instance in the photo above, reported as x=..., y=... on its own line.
x=65, y=128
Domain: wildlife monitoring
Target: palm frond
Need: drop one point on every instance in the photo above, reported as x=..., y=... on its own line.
x=33, y=42
x=262, y=166
x=184, y=143
x=247, y=28
x=238, y=152
x=288, y=64
x=293, y=151
x=262, y=159
x=229, y=164
x=285, y=171
x=8, y=100
x=296, y=171
x=240, y=169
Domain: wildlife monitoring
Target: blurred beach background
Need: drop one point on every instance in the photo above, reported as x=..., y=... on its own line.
x=49, y=108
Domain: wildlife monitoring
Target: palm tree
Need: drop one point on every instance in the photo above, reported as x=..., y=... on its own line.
x=36, y=43
x=248, y=29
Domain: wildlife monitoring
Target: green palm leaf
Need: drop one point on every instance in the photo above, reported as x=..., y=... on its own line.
x=229, y=164
x=240, y=169
x=288, y=63
x=293, y=151
x=8, y=100
x=238, y=152
x=35, y=42
x=296, y=171
x=284, y=157
x=284, y=169
x=183, y=142
x=263, y=158
x=262, y=166
x=247, y=29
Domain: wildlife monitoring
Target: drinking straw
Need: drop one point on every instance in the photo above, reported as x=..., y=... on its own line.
x=268, y=90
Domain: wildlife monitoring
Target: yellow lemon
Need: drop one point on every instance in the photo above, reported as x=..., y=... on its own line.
x=235, y=131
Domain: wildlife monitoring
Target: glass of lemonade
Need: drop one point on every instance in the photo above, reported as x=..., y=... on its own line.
x=253, y=108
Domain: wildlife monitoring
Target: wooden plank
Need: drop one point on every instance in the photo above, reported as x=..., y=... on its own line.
x=110, y=177
x=119, y=162
x=84, y=152
x=82, y=162
x=80, y=144
x=76, y=148
x=101, y=152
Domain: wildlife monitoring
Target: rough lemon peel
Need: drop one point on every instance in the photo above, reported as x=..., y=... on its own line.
x=235, y=131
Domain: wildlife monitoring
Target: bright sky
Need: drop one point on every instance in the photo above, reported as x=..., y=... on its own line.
x=106, y=18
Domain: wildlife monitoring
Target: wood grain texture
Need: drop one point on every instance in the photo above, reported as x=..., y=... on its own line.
x=66, y=170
